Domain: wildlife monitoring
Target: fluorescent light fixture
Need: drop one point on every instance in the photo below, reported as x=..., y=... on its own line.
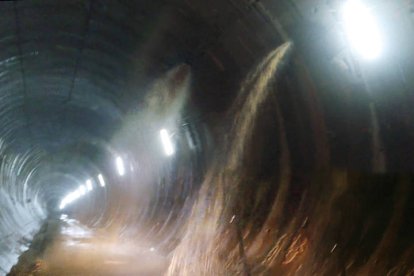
x=89, y=185
x=71, y=197
x=166, y=142
x=75, y=195
x=82, y=189
x=120, y=166
x=362, y=29
x=101, y=180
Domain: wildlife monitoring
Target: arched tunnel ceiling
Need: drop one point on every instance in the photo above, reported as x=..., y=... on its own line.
x=78, y=52
x=96, y=58
x=72, y=73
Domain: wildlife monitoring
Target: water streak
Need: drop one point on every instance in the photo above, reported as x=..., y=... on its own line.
x=204, y=249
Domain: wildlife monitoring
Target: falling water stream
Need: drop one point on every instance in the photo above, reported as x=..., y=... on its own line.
x=204, y=250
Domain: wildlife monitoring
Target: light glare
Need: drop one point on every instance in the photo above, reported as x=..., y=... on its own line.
x=101, y=180
x=120, y=166
x=75, y=195
x=89, y=185
x=71, y=197
x=82, y=190
x=362, y=30
x=166, y=142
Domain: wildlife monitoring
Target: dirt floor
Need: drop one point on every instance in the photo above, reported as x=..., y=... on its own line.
x=78, y=250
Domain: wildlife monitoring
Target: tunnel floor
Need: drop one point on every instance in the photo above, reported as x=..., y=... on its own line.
x=79, y=250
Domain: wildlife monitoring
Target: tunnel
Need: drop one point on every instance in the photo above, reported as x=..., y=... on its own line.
x=221, y=137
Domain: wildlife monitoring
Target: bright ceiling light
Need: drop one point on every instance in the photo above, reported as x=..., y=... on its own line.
x=89, y=185
x=71, y=197
x=362, y=29
x=82, y=190
x=120, y=166
x=75, y=195
x=166, y=142
x=101, y=180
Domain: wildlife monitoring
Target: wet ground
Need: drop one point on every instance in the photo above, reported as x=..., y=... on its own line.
x=79, y=250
